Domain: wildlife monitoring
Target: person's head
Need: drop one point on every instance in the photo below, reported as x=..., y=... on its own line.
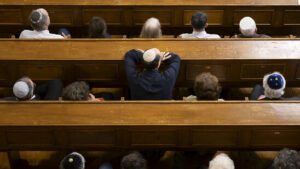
x=39, y=19
x=23, y=88
x=97, y=28
x=72, y=161
x=248, y=26
x=152, y=59
x=151, y=29
x=133, y=161
x=79, y=90
x=287, y=159
x=274, y=85
x=207, y=87
x=221, y=161
x=199, y=21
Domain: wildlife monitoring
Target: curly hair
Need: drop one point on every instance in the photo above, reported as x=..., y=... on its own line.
x=133, y=161
x=287, y=159
x=76, y=91
x=207, y=87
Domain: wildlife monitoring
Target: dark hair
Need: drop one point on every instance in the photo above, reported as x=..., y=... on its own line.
x=287, y=159
x=38, y=20
x=28, y=81
x=199, y=20
x=76, y=91
x=207, y=87
x=152, y=65
x=133, y=161
x=97, y=28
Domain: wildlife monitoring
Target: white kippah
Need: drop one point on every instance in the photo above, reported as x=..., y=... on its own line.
x=247, y=26
x=21, y=89
x=149, y=55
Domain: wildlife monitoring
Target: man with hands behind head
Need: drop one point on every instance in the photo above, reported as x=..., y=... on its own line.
x=150, y=83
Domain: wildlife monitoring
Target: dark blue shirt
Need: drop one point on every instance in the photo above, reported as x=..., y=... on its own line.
x=151, y=84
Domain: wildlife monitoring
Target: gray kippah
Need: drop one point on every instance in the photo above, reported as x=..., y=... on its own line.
x=36, y=16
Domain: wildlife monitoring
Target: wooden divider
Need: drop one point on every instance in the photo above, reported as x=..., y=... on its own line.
x=239, y=63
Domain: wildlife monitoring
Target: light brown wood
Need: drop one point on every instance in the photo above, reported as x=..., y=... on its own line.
x=151, y=3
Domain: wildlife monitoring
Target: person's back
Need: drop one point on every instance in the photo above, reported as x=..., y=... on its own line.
x=40, y=22
x=150, y=84
x=199, y=24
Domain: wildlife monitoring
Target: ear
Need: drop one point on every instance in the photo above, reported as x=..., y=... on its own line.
x=206, y=25
x=256, y=29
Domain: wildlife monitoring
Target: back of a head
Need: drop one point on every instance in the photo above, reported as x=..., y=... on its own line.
x=72, y=161
x=38, y=20
x=287, y=159
x=199, y=20
x=133, y=161
x=151, y=29
x=151, y=58
x=221, y=161
x=97, y=28
x=23, y=89
x=76, y=91
x=207, y=87
x=274, y=85
x=247, y=26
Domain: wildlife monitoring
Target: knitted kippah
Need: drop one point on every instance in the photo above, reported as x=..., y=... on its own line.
x=247, y=26
x=275, y=81
x=36, y=16
x=21, y=89
x=73, y=161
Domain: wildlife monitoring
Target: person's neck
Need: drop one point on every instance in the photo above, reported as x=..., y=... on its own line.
x=198, y=30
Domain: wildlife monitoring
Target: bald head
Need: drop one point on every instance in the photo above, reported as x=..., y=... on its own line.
x=39, y=19
x=151, y=29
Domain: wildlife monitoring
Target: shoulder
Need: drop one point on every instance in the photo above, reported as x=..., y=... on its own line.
x=186, y=35
x=264, y=36
x=55, y=36
x=213, y=36
x=25, y=33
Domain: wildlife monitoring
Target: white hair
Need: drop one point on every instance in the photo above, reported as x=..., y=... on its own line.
x=221, y=161
x=247, y=26
x=273, y=93
x=151, y=29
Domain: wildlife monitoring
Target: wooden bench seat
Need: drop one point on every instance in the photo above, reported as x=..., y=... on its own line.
x=236, y=62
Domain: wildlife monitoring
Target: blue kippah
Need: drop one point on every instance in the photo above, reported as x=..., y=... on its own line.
x=275, y=81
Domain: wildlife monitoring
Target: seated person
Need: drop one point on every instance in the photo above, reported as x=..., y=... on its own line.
x=25, y=89
x=248, y=29
x=40, y=22
x=221, y=161
x=97, y=28
x=151, y=29
x=72, y=161
x=206, y=87
x=272, y=89
x=133, y=161
x=199, y=24
x=81, y=91
x=151, y=84
x=286, y=159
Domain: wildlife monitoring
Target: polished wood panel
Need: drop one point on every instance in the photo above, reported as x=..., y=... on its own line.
x=261, y=17
x=149, y=124
x=214, y=17
x=291, y=17
x=111, y=16
x=141, y=15
x=11, y=16
x=149, y=3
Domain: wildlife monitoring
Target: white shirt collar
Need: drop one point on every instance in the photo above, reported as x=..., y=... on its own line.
x=199, y=34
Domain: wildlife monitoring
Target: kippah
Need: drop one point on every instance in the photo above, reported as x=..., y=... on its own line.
x=275, y=81
x=149, y=55
x=21, y=89
x=36, y=16
x=247, y=26
x=73, y=161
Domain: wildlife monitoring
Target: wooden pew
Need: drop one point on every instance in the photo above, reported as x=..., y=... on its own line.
x=236, y=62
x=277, y=17
x=164, y=125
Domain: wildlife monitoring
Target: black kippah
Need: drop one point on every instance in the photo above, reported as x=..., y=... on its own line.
x=36, y=16
x=72, y=161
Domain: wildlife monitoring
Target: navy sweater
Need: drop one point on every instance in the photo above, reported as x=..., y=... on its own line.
x=151, y=84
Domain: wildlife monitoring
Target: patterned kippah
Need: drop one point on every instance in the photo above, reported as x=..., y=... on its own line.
x=36, y=16
x=275, y=81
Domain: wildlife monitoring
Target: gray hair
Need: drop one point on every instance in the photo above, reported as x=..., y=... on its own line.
x=76, y=91
x=151, y=29
x=287, y=159
x=38, y=20
x=272, y=93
